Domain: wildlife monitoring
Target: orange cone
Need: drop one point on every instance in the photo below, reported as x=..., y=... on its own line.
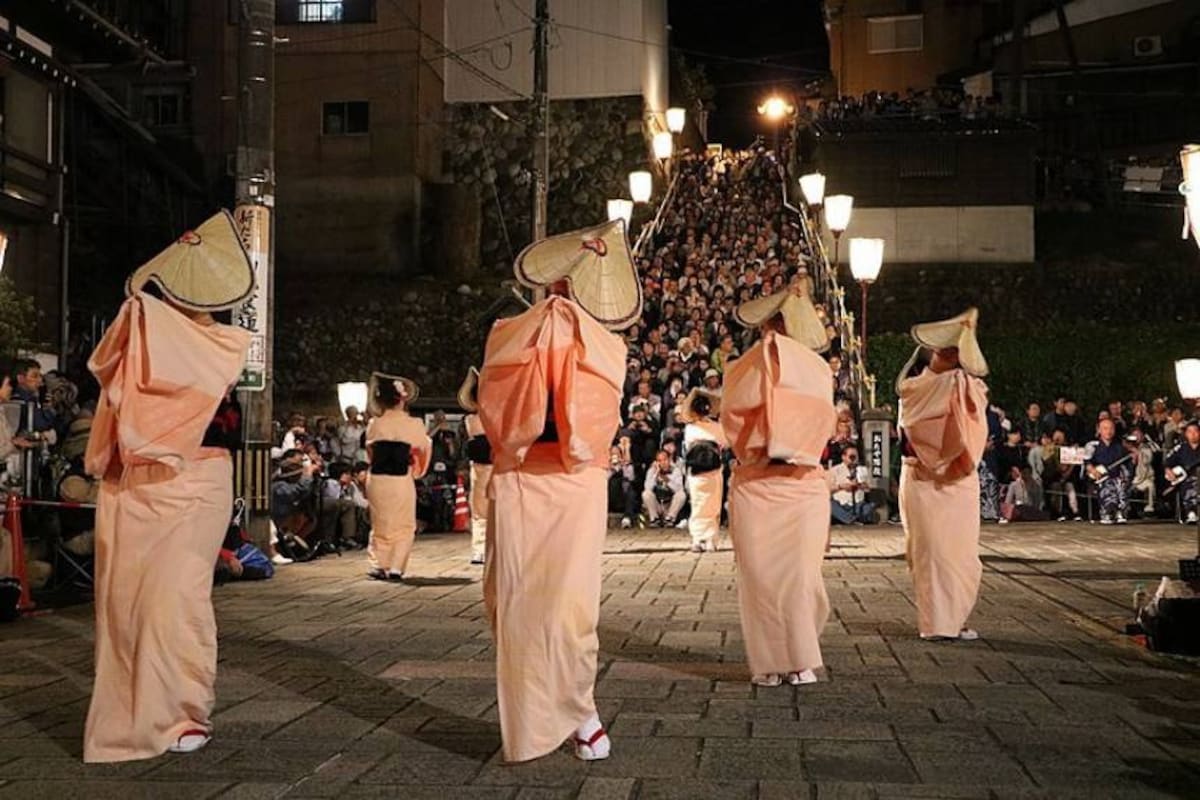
x=12, y=521
x=462, y=511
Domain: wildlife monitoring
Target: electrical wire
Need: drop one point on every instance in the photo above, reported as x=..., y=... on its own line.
x=455, y=57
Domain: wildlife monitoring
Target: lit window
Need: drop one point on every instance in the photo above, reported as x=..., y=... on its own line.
x=289, y=12
x=896, y=34
x=345, y=118
x=320, y=10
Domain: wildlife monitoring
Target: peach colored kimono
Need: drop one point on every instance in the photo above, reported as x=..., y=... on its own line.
x=393, y=498
x=164, y=506
x=705, y=491
x=943, y=419
x=481, y=506
x=549, y=514
x=777, y=412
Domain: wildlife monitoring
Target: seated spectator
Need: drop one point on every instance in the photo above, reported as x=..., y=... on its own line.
x=840, y=441
x=663, y=493
x=849, y=503
x=338, y=522
x=1030, y=427
x=1181, y=464
x=622, y=482
x=292, y=506
x=652, y=403
x=1062, y=480
x=1022, y=497
x=643, y=436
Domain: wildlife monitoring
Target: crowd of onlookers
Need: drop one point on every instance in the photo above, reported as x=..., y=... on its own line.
x=725, y=239
x=1040, y=463
x=927, y=104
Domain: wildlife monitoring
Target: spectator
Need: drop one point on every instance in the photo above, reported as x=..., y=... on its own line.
x=1110, y=472
x=1023, y=499
x=27, y=379
x=849, y=503
x=350, y=437
x=1031, y=426
x=622, y=482
x=292, y=503
x=1181, y=464
x=663, y=494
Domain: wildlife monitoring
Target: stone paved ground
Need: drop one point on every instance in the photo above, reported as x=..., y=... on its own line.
x=334, y=686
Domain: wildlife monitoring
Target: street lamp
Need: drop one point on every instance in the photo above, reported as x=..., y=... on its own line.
x=641, y=186
x=837, y=217
x=620, y=209
x=663, y=146
x=676, y=117
x=775, y=108
x=1187, y=375
x=1189, y=156
x=812, y=186
x=866, y=258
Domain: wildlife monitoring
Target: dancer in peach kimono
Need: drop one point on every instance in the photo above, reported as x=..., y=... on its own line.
x=398, y=451
x=480, y=454
x=943, y=430
x=165, y=497
x=549, y=398
x=703, y=444
x=777, y=412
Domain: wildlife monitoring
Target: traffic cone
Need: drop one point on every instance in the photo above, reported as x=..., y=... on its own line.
x=12, y=521
x=462, y=511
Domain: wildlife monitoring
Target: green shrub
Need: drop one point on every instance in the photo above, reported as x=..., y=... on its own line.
x=1091, y=363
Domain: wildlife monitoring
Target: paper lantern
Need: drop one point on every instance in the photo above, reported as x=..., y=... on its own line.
x=813, y=187
x=352, y=394
x=620, y=209
x=675, y=119
x=866, y=258
x=1187, y=375
x=641, y=186
x=663, y=146
x=837, y=211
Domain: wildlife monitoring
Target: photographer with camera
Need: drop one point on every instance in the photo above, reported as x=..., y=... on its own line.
x=849, y=502
x=663, y=494
x=622, y=482
x=292, y=504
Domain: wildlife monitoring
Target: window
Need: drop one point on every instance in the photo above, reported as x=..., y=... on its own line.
x=345, y=118
x=289, y=12
x=162, y=108
x=895, y=34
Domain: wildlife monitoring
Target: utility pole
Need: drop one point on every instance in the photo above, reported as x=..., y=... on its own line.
x=255, y=190
x=541, y=122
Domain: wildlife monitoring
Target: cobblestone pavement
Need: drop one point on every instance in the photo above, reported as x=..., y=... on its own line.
x=334, y=686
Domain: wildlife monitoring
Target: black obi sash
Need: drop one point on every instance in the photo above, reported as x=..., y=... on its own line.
x=479, y=449
x=390, y=458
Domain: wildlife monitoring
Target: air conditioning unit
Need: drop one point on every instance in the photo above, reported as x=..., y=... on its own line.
x=1147, y=46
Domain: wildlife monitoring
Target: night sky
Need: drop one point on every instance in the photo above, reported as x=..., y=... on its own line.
x=748, y=48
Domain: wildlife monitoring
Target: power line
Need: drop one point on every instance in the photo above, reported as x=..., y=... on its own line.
x=455, y=57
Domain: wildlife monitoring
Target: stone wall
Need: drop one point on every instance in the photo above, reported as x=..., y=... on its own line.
x=594, y=145
x=1108, y=268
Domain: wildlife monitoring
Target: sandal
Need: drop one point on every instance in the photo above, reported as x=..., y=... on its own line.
x=190, y=741
x=801, y=677
x=769, y=681
x=595, y=748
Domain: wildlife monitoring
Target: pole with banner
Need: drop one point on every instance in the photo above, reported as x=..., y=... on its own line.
x=255, y=189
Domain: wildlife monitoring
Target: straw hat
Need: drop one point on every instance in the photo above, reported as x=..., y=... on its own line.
x=800, y=319
x=408, y=389
x=687, y=411
x=207, y=269
x=598, y=267
x=955, y=332
x=467, y=393
x=78, y=489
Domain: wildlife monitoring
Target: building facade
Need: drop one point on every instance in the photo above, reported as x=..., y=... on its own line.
x=895, y=45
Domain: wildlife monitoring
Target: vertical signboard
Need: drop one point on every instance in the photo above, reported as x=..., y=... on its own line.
x=254, y=228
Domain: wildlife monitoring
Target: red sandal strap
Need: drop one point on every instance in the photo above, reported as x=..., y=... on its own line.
x=597, y=736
